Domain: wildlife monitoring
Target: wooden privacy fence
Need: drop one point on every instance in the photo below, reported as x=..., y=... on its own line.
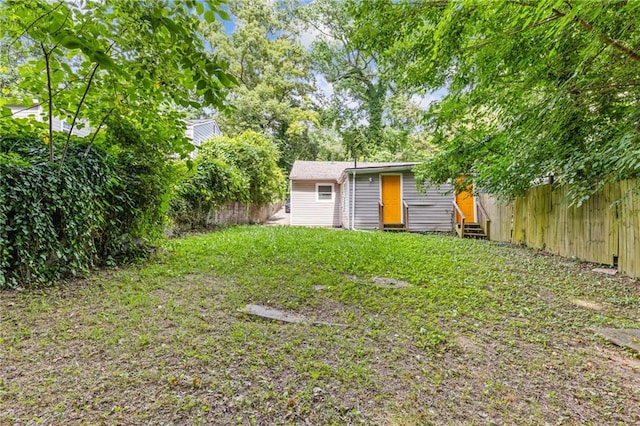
x=605, y=229
x=234, y=213
x=231, y=213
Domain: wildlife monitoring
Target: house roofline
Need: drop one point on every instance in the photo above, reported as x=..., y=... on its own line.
x=312, y=179
x=389, y=168
x=376, y=168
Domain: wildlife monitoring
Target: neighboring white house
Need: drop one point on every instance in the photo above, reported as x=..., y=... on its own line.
x=200, y=130
x=36, y=111
x=366, y=196
x=197, y=131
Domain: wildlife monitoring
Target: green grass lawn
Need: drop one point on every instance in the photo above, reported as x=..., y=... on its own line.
x=485, y=333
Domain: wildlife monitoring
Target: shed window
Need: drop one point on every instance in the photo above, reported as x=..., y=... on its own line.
x=324, y=192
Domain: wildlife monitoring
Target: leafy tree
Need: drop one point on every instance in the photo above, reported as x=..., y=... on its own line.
x=375, y=120
x=114, y=60
x=9, y=76
x=274, y=73
x=240, y=169
x=359, y=90
x=126, y=69
x=534, y=88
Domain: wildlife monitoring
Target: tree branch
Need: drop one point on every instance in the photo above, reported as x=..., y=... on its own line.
x=533, y=25
x=75, y=117
x=49, y=100
x=35, y=22
x=93, y=138
x=608, y=40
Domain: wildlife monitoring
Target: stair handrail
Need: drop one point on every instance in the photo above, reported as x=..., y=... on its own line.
x=406, y=214
x=380, y=211
x=463, y=218
x=486, y=220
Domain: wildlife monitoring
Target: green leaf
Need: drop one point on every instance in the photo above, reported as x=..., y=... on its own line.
x=102, y=58
x=171, y=26
x=224, y=15
x=71, y=42
x=224, y=79
x=209, y=16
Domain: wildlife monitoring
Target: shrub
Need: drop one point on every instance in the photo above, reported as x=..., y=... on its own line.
x=105, y=205
x=49, y=215
x=210, y=184
x=242, y=169
x=139, y=195
x=256, y=157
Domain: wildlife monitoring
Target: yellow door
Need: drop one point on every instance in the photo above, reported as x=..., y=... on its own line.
x=464, y=199
x=391, y=199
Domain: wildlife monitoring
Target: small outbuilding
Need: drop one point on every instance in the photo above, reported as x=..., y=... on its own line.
x=367, y=196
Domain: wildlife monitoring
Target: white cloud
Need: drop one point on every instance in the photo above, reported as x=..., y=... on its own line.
x=324, y=86
x=424, y=101
x=307, y=37
x=307, y=34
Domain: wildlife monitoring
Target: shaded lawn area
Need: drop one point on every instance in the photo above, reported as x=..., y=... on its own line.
x=485, y=334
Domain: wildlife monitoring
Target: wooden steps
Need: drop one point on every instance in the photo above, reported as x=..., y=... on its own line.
x=394, y=227
x=473, y=230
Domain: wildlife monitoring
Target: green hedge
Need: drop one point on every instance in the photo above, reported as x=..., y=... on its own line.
x=48, y=216
x=242, y=169
x=101, y=207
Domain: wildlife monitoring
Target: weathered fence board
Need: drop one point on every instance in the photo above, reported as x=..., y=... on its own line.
x=232, y=213
x=629, y=207
x=601, y=230
x=501, y=215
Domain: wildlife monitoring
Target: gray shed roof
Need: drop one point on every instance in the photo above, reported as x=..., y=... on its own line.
x=380, y=167
x=332, y=170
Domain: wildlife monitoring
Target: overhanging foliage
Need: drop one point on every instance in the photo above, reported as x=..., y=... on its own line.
x=98, y=60
x=534, y=88
x=241, y=169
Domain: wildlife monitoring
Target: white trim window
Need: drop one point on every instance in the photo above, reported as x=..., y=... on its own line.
x=324, y=192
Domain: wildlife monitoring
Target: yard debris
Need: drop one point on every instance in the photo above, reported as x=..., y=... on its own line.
x=318, y=287
x=626, y=338
x=389, y=282
x=588, y=304
x=351, y=277
x=273, y=314
x=277, y=315
x=608, y=271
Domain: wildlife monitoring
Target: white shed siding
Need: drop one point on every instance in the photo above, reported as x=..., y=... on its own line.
x=201, y=132
x=38, y=114
x=307, y=210
x=60, y=127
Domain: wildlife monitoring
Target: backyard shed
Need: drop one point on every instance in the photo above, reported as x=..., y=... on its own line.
x=367, y=196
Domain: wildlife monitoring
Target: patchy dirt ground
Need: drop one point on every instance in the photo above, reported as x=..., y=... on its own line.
x=483, y=334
